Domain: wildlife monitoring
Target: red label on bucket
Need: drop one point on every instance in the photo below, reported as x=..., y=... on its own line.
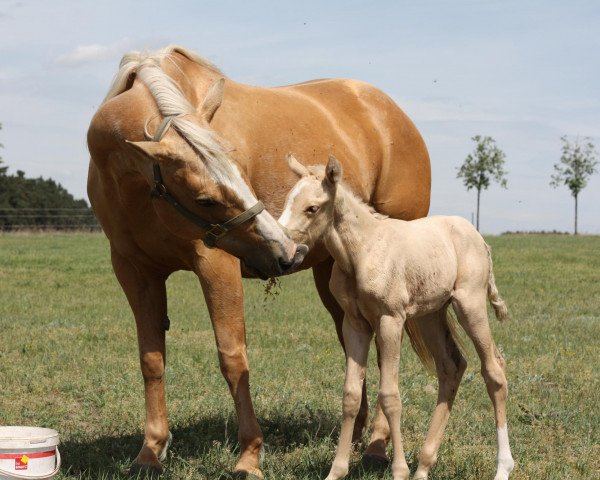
x=21, y=463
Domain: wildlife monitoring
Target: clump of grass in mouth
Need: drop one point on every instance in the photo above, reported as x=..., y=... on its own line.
x=272, y=288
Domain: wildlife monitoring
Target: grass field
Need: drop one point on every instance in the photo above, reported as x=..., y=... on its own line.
x=68, y=360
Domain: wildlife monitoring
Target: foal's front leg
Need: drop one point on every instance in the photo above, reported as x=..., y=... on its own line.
x=389, y=338
x=357, y=337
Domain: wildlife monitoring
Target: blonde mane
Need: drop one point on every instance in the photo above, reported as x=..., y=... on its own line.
x=171, y=102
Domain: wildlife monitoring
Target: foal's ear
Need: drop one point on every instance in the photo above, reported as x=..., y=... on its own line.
x=213, y=100
x=333, y=170
x=296, y=166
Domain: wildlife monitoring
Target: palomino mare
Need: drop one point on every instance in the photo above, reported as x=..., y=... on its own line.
x=176, y=149
x=385, y=272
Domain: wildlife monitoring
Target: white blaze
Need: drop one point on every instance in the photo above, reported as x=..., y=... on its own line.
x=286, y=215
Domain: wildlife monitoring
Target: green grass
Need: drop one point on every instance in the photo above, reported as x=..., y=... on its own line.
x=68, y=360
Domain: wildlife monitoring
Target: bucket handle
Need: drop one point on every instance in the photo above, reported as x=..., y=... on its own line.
x=35, y=477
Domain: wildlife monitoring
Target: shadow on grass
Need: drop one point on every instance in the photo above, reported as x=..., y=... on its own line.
x=110, y=456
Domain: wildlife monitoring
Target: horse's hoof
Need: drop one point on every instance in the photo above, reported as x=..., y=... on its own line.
x=240, y=475
x=144, y=471
x=374, y=462
x=246, y=476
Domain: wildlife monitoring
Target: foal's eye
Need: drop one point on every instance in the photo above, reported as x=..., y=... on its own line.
x=206, y=202
x=312, y=209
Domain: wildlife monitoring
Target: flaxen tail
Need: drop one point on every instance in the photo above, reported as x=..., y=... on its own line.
x=499, y=305
x=413, y=329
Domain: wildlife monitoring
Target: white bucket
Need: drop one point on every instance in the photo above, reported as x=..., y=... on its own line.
x=28, y=453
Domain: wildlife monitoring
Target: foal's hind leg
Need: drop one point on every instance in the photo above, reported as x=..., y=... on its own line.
x=471, y=308
x=450, y=366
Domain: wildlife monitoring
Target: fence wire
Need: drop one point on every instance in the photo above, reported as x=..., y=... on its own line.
x=15, y=219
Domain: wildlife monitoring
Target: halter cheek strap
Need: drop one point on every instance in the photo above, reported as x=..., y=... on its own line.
x=214, y=231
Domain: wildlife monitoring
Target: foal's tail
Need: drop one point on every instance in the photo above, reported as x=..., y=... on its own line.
x=493, y=296
x=413, y=330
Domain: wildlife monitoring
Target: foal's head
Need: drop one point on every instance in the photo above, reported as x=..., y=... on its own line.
x=308, y=210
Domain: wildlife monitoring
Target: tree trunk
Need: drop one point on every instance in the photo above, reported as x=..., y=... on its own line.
x=478, y=195
x=575, y=214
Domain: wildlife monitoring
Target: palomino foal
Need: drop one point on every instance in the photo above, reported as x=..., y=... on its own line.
x=386, y=271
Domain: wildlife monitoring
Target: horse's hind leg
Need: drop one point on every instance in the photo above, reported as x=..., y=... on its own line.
x=471, y=309
x=450, y=366
x=321, y=275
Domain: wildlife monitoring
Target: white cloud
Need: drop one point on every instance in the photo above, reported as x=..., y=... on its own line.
x=92, y=53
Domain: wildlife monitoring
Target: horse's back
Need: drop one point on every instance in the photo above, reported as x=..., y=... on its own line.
x=384, y=157
x=395, y=150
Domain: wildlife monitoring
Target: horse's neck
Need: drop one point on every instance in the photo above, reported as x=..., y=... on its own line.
x=348, y=232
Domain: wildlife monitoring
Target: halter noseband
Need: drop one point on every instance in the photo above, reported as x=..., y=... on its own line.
x=214, y=231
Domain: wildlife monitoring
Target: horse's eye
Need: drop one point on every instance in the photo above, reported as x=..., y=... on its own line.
x=206, y=202
x=312, y=209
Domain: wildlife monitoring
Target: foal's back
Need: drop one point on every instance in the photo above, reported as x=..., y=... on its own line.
x=417, y=265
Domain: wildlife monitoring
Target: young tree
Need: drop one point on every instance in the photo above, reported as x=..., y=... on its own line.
x=577, y=163
x=484, y=164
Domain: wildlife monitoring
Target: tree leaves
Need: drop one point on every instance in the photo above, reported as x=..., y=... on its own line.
x=486, y=163
x=577, y=163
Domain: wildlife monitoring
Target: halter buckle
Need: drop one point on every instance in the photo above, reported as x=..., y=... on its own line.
x=159, y=190
x=213, y=234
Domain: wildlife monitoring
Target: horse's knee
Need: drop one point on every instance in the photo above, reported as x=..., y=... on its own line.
x=234, y=366
x=352, y=401
x=427, y=457
x=495, y=379
x=390, y=401
x=152, y=365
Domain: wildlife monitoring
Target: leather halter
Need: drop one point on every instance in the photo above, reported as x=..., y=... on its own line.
x=214, y=231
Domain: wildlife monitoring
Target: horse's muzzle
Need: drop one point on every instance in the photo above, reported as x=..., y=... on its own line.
x=288, y=266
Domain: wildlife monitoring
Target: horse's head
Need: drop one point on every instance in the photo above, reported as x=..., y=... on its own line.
x=308, y=210
x=199, y=192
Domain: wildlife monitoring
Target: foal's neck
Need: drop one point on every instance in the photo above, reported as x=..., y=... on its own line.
x=352, y=220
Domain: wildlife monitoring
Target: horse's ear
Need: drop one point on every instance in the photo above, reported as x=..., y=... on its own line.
x=147, y=149
x=333, y=170
x=296, y=166
x=213, y=100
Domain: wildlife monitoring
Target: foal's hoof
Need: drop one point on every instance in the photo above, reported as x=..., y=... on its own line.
x=144, y=471
x=374, y=462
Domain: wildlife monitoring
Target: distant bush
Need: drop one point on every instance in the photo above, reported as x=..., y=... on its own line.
x=535, y=232
x=38, y=203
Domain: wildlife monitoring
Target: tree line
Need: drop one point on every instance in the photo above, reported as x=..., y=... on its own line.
x=578, y=161
x=43, y=203
x=38, y=203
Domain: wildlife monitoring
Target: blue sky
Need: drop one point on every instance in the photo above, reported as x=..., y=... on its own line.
x=524, y=72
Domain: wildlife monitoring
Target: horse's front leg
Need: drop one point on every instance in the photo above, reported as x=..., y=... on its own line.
x=221, y=282
x=146, y=293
